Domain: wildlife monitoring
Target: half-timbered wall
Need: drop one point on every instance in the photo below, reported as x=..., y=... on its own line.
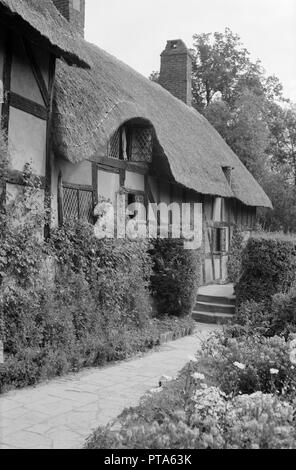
x=27, y=77
x=220, y=217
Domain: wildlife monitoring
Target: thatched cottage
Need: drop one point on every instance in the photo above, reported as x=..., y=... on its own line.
x=114, y=130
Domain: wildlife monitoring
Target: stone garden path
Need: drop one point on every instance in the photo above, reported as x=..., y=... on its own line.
x=63, y=412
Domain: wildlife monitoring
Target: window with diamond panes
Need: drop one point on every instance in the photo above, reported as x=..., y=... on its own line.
x=141, y=148
x=77, y=204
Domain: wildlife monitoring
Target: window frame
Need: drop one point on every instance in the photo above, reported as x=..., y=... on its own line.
x=78, y=188
x=130, y=131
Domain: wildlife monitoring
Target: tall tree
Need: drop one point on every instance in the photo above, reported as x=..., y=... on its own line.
x=283, y=143
x=244, y=128
x=220, y=61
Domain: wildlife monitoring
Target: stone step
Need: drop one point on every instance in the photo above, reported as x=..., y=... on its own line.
x=214, y=307
x=215, y=299
x=211, y=318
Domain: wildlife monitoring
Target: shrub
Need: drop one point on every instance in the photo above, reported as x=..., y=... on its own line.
x=234, y=262
x=260, y=421
x=175, y=278
x=256, y=421
x=117, y=271
x=279, y=318
x=268, y=268
x=244, y=364
x=253, y=318
x=283, y=310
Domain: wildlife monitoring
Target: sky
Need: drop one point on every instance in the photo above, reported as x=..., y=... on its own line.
x=136, y=31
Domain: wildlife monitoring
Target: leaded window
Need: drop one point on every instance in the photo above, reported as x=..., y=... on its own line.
x=77, y=204
x=132, y=142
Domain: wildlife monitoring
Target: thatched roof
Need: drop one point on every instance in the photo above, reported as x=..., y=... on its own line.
x=47, y=25
x=91, y=104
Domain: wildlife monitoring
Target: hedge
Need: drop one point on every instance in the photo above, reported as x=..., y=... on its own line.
x=268, y=268
x=175, y=278
x=234, y=261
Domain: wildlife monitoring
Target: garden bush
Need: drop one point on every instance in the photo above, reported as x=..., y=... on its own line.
x=283, y=310
x=253, y=318
x=175, y=278
x=117, y=271
x=277, y=318
x=234, y=262
x=268, y=268
x=249, y=363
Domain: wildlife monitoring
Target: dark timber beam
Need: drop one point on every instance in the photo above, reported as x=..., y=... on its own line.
x=28, y=106
x=60, y=200
x=122, y=164
x=37, y=73
x=95, y=182
x=48, y=158
x=6, y=82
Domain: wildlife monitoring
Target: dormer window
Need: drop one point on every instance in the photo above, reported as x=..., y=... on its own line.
x=133, y=142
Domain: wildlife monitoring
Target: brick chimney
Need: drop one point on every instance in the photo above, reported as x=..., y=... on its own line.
x=74, y=12
x=176, y=70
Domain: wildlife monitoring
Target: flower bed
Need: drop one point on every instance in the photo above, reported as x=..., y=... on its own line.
x=231, y=396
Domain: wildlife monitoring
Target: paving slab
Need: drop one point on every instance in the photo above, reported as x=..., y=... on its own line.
x=62, y=413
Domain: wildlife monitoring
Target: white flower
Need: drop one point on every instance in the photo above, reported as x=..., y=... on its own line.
x=239, y=365
x=198, y=376
x=192, y=359
x=274, y=371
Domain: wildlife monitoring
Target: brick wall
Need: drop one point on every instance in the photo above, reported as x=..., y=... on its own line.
x=74, y=12
x=176, y=70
